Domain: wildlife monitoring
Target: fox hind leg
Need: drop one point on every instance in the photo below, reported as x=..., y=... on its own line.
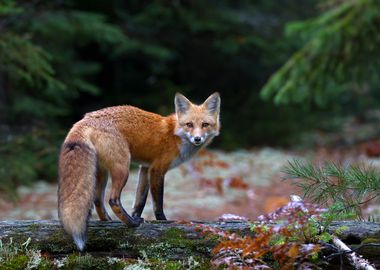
x=101, y=183
x=119, y=174
x=114, y=156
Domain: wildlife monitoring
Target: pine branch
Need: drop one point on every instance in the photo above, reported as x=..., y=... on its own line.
x=349, y=186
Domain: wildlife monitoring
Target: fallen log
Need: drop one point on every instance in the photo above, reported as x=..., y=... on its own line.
x=356, y=233
x=173, y=240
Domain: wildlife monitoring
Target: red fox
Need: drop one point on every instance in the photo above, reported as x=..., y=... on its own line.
x=109, y=139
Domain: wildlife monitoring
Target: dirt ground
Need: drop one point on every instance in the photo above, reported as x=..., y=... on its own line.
x=244, y=183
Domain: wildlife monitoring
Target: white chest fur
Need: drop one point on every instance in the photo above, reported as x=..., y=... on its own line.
x=186, y=151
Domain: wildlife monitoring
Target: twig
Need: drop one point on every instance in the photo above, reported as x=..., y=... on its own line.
x=349, y=251
x=356, y=261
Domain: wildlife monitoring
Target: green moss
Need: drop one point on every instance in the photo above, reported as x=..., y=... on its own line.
x=17, y=262
x=166, y=265
x=174, y=245
x=341, y=230
x=371, y=240
x=34, y=227
x=158, y=250
x=163, y=264
x=370, y=251
x=168, y=252
x=58, y=242
x=76, y=261
x=46, y=265
x=176, y=237
x=174, y=233
x=125, y=245
x=21, y=262
x=199, y=263
x=84, y=262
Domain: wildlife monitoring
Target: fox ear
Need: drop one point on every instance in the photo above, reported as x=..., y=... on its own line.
x=182, y=104
x=212, y=103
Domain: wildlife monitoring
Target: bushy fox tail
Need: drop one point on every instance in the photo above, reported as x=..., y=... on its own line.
x=77, y=178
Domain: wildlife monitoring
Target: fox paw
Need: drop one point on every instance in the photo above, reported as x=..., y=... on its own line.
x=138, y=219
x=161, y=216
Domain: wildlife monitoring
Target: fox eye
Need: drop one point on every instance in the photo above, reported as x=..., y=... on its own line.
x=189, y=125
x=205, y=125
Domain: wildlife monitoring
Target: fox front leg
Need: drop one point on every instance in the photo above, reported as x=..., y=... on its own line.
x=141, y=192
x=156, y=182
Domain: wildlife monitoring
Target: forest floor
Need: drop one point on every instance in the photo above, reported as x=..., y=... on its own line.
x=244, y=183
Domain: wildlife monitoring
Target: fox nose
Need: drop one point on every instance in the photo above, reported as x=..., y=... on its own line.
x=197, y=139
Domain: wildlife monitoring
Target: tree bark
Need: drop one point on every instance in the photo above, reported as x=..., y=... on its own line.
x=173, y=240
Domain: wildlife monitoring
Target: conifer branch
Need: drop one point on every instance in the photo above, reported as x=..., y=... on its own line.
x=349, y=186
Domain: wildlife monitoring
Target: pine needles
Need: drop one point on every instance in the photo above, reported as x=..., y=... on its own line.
x=348, y=186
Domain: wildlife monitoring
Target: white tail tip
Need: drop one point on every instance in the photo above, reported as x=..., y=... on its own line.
x=80, y=241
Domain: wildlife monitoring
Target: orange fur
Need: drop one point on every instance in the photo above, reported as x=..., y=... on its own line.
x=109, y=139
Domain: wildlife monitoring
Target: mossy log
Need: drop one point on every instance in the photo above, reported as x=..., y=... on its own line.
x=172, y=240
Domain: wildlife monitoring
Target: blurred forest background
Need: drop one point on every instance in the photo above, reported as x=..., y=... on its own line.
x=286, y=70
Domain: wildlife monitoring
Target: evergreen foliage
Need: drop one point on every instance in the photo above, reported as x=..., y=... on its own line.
x=41, y=72
x=341, y=54
x=61, y=59
x=41, y=60
x=349, y=186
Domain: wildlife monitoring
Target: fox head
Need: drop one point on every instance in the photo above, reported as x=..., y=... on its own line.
x=197, y=123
